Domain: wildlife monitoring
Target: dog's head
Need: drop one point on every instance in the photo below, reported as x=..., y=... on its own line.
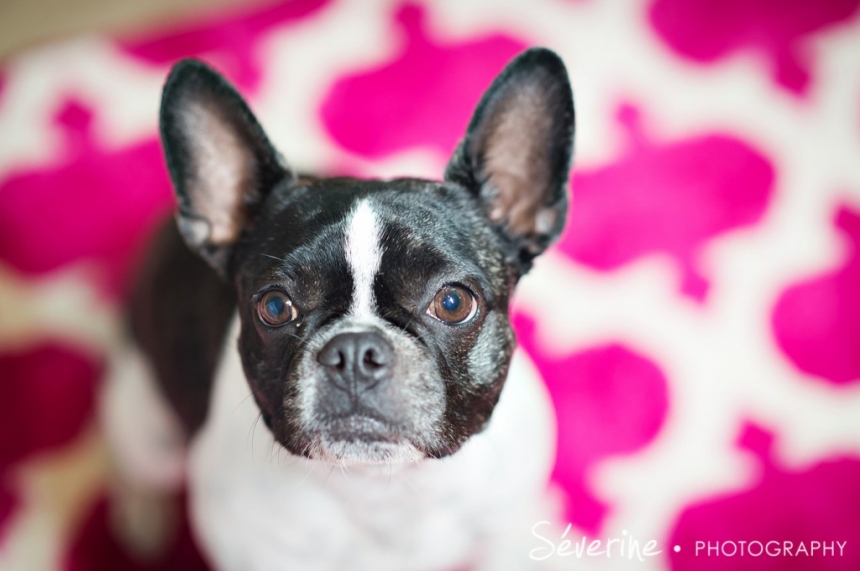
x=374, y=314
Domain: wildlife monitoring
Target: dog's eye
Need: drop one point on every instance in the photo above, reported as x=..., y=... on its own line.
x=453, y=304
x=276, y=309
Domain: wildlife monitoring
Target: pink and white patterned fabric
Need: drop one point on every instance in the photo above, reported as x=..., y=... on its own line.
x=697, y=326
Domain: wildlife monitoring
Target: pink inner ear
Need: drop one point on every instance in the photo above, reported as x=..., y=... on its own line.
x=516, y=151
x=223, y=164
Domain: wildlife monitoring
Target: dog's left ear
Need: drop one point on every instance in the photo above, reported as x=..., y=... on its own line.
x=517, y=150
x=220, y=160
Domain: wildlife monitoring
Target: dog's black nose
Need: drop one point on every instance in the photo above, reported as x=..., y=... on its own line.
x=357, y=361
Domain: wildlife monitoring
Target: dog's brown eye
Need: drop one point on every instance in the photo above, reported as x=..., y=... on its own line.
x=276, y=309
x=453, y=304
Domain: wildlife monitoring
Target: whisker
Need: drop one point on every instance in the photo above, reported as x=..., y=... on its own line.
x=271, y=256
x=308, y=473
x=344, y=469
x=250, y=394
x=408, y=481
x=251, y=432
x=274, y=451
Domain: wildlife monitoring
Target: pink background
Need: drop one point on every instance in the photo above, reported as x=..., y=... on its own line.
x=698, y=324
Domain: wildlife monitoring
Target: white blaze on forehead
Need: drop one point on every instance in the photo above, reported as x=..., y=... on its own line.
x=363, y=254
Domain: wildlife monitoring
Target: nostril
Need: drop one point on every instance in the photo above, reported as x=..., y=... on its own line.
x=332, y=356
x=373, y=359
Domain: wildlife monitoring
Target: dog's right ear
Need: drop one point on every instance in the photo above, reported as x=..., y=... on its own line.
x=220, y=160
x=515, y=157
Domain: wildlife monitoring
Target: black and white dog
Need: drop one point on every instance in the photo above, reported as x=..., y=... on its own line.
x=368, y=319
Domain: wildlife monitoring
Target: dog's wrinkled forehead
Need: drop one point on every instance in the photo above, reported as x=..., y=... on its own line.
x=361, y=247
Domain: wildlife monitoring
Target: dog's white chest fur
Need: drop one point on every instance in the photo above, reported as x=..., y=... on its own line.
x=255, y=507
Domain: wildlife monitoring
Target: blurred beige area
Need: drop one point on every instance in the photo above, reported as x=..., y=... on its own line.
x=59, y=488
x=28, y=23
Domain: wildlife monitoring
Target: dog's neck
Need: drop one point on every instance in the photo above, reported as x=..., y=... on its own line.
x=246, y=490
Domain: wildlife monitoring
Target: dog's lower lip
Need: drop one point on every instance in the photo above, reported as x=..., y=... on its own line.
x=359, y=427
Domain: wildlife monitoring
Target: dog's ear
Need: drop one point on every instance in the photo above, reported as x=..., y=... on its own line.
x=517, y=150
x=221, y=163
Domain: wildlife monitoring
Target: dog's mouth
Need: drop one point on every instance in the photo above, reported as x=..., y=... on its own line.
x=361, y=439
x=361, y=428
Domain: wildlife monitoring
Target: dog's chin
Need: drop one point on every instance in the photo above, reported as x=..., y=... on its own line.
x=357, y=440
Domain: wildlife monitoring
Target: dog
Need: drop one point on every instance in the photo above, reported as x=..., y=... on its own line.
x=363, y=322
